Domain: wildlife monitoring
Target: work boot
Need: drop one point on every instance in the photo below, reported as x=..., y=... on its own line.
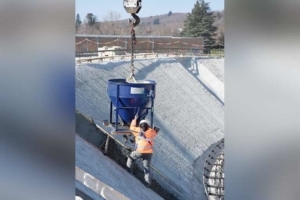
x=129, y=170
x=148, y=185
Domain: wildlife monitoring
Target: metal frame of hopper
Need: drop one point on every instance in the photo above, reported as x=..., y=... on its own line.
x=116, y=124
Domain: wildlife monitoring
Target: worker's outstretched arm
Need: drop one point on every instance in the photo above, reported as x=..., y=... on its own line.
x=133, y=123
x=133, y=126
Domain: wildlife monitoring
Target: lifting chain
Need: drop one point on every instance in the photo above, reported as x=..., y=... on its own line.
x=133, y=42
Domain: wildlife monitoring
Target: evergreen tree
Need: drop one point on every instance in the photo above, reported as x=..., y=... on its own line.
x=91, y=19
x=78, y=21
x=170, y=13
x=199, y=23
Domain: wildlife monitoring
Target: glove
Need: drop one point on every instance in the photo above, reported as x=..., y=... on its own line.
x=156, y=129
x=125, y=138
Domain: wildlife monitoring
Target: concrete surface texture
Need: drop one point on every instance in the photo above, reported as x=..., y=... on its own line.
x=104, y=178
x=191, y=118
x=215, y=65
x=208, y=77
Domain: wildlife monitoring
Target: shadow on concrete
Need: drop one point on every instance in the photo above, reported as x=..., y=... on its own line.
x=86, y=128
x=147, y=69
x=109, y=66
x=191, y=65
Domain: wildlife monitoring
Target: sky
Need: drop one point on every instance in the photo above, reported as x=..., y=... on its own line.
x=100, y=8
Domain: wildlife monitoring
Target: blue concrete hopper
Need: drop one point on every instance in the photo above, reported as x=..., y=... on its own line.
x=129, y=99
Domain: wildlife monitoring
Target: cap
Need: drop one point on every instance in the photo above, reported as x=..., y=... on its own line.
x=144, y=121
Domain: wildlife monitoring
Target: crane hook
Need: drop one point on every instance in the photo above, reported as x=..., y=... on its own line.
x=137, y=20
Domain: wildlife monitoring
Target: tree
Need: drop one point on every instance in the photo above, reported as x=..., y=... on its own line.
x=78, y=21
x=220, y=35
x=199, y=23
x=170, y=13
x=112, y=24
x=91, y=19
x=156, y=21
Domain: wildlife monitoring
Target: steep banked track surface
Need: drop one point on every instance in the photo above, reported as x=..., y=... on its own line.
x=190, y=117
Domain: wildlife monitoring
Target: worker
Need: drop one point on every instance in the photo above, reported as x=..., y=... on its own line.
x=144, y=136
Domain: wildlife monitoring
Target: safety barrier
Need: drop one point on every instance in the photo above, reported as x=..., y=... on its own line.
x=85, y=43
x=96, y=59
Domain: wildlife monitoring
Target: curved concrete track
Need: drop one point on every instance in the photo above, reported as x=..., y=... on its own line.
x=213, y=173
x=189, y=114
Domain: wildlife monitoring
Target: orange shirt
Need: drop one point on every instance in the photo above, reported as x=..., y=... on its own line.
x=143, y=144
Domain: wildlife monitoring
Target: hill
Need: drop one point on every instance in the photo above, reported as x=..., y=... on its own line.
x=164, y=25
x=159, y=25
x=175, y=19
